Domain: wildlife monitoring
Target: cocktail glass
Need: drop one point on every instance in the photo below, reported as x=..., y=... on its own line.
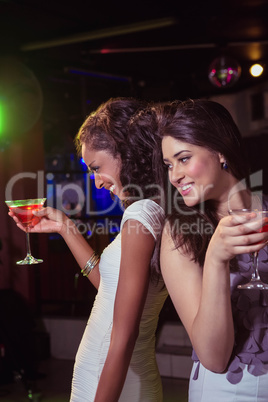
x=255, y=281
x=23, y=210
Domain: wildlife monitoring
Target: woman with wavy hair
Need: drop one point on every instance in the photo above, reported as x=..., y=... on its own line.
x=116, y=357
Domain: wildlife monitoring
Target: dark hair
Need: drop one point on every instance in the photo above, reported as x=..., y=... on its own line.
x=207, y=124
x=143, y=140
x=111, y=128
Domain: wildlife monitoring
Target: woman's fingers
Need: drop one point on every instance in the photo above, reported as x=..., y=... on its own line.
x=247, y=224
x=239, y=235
x=51, y=213
x=46, y=220
x=244, y=220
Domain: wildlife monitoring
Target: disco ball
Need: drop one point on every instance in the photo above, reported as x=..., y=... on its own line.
x=224, y=72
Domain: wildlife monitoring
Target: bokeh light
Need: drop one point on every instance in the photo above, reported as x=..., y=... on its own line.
x=224, y=72
x=256, y=70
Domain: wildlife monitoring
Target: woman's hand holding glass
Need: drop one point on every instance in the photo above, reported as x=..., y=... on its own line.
x=259, y=236
x=237, y=234
x=51, y=221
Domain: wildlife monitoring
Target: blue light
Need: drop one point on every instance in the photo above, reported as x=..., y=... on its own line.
x=83, y=164
x=98, y=75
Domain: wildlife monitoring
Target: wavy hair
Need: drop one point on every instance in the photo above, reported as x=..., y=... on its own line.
x=124, y=128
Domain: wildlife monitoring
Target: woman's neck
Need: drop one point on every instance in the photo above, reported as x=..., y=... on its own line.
x=235, y=196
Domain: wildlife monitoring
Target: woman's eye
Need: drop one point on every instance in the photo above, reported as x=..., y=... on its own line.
x=93, y=170
x=167, y=166
x=185, y=159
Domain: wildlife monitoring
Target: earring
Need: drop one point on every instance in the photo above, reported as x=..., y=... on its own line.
x=225, y=165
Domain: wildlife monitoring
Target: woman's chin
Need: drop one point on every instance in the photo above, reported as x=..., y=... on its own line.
x=190, y=202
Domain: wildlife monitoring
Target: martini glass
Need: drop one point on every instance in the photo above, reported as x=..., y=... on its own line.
x=255, y=281
x=23, y=210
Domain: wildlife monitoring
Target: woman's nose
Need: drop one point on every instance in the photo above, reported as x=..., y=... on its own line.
x=175, y=175
x=98, y=181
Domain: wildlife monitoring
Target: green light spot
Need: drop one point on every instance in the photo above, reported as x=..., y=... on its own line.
x=1, y=118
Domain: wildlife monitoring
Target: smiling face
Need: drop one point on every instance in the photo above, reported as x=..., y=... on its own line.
x=195, y=171
x=106, y=170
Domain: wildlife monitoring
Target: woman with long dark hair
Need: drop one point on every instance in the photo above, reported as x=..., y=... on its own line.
x=206, y=252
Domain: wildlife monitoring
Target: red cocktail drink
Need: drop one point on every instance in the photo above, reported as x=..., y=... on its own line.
x=265, y=225
x=23, y=210
x=25, y=214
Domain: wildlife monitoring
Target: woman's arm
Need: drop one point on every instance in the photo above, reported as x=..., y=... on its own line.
x=202, y=296
x=202, y=303
x=55, y=221
x=137, y=248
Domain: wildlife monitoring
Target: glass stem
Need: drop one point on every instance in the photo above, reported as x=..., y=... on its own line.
x=255, y=275
x=28, y=247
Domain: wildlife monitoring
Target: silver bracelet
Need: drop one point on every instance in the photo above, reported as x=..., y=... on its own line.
x=92, y=262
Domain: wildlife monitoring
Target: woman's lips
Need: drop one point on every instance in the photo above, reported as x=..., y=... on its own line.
x=185, y=189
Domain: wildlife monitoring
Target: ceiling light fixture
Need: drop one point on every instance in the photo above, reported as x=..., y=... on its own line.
x=224, y=72
x=101, y=33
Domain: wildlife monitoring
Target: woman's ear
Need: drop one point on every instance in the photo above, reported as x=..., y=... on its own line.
x=222, y=158
x=223, y=162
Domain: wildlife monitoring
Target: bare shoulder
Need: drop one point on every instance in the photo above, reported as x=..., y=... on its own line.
x=176, y=259
x=135, y=235
x=169, y=243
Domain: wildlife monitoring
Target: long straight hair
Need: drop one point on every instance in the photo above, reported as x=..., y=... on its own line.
x=206, y=124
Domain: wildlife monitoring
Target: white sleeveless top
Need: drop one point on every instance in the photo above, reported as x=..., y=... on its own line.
x=143, y=382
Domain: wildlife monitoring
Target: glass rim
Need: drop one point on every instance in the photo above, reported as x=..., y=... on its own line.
x=247, y=210
x=28, y=201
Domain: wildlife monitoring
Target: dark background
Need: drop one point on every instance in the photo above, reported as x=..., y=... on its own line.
x=84, y=52
x=58, y=61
